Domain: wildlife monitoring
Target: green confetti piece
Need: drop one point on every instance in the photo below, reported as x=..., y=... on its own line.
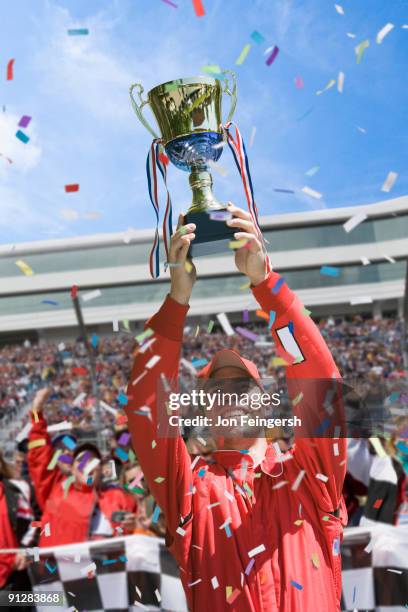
x=132, y=455
x=159, y=479
x=145, y=334
x=326, y=518
x=248, y=489
x=359, y=50
x=126, y=324
x=54, y=460
x=212, y=69
x=243, y=55
x=306, y=312
x=210, y=327
x=69, y=481
x=154, y=444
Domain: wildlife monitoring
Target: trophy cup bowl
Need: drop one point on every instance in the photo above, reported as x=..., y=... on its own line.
x=188, y=113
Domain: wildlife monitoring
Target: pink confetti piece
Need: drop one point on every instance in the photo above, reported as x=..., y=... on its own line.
x=299, y=84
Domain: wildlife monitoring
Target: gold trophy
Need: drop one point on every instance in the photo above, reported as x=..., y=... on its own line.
x=188, y=113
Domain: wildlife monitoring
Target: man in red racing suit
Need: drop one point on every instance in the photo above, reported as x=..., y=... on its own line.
x=266, y=537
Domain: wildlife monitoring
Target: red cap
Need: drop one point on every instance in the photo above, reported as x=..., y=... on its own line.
x=229, y=357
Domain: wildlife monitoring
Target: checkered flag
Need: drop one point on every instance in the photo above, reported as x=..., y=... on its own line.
x=375, y=568
x=121, y=574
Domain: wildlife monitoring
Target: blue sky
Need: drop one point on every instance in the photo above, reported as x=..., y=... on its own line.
x=84, y=131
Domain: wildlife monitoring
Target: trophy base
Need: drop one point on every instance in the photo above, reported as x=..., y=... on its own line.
x=211, y=236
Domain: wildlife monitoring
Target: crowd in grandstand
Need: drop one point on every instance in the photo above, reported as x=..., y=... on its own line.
x=367, y=349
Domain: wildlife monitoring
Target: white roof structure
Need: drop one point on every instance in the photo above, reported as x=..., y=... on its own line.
x=116, y=263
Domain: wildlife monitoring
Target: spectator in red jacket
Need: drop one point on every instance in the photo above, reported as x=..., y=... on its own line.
x=253, y=530
x=76, y=508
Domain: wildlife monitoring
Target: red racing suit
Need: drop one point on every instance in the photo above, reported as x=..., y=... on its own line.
x=300, y=568
x=68, y=511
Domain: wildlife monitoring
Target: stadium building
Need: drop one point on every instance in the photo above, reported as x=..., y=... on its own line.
x=371, y=262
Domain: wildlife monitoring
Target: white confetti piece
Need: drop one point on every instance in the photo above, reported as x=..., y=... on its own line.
x=312, y=193
x=277, y=448
x=213, y=505
x=108, y=408
x=36, y=553
x=92, y=295
x=340, y=82
x=351, y=35
x=152, y=362
x=147, y=345
x=229, y=496
x=181, y=531
x=389, y=258
x=47, y=530
x=354, y=221
x=77, y=558
x=395, y=571
x=339, y=9
x=191, y=584
x=369, y=547
x=362, y=130
x=363, y=299
x=280, y=485
x=91, y=465
x=115, y=325
x=256, y=551
x=336, y=451
x=329, y=85
x=252, y=137
x=158, y=596
x=88, y=569
x=322, y=477
x=61, y=346
x=139, y=592
x=227, y=522
x=139, y=378
x=194, y=463
x=298, y=480
x=312, y=171
x=383, y=33
x=365, y=261
x=24, y=432
x=378, y=447
x=225, y=324
x=389, y=182
x=214, y=582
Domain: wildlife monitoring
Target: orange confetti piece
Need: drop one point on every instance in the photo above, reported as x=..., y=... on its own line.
x=262, y=314
x=198, y=8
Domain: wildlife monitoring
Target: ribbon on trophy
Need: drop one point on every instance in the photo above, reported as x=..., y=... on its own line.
x=154, y=160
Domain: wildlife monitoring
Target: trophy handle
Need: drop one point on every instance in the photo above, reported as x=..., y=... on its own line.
x=138, y=107
x=232, y=93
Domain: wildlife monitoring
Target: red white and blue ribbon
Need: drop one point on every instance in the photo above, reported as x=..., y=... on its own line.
x=155, y=161
x=237, y=147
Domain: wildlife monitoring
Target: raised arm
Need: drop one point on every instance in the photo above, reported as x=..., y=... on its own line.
x=40, y=451
x=301, y=345
x=165, y=461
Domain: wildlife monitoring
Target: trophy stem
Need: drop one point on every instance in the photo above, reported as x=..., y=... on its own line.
x=203, y=198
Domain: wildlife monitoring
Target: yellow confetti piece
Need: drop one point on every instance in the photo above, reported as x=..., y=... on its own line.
x=359, y=50
x=306, y=312
x=237, y=244
x=245, y=286
x=315, y=560
x=242, y=56
x=228, y=591
x=159, y=479
x=297, y=399
x=188, y=266
x=278, y=361
x=328, y=86
x=299, y=522
x=197, y=331
x=24, y=267
x=37, y=443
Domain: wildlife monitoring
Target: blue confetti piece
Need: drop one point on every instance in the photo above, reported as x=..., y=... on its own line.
x=278, y=285
x=244, y=451
x=68, y=442
x=323, y=426
x=394, y=396
x=306, y=114
x=108, y=561
x=89, y=481
x=199, y=363
x=290, y=327
x=228, y=531
x=296, y=585
x=49, y=568
x=23, y=137
x=354, y=594
x=78, y=32
x=201, y=472
x=94, y=340
x=156, y=514
x=121, y=454
x=257, y=37
x=272, y=317
x=50, y=302
x=122, y=399
x=329, y=271
x=123, y=559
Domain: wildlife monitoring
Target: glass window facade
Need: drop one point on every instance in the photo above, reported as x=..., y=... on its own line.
x=280, y=239
x=154, y=291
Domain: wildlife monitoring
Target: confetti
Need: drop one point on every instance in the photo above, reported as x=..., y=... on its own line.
x=122, y=399
x=395, y=571
x=306, y=312
x=354, y=221
x=74, y=291
x=225, y=324
x=257, y=37
x=24, y=121
x=212, y=69
x=232, y=596
x=198, y=8
x=339, y=9
x=329, y=271
x=312, y=171
x=340, y=82
x=10, y=71
x=121, y=454
x=23, y=137
x=297, y=399
x=195, y=582
x=299, y=82
x=299, y=522
x=252, y=137
x=378, y=503
x=298, y=480
x=68, y=442
x=272, y=317
x=91, y=295
x=73, y=187
x=306, y=114
x=214, y=582
x=278, y=361
x=336, y=449
x=247, y=334
x=159, y=479
x=378, y=447
x=152, y=362
x=389, y=258
x=210, y=326
x=145, y=334
x=389, y=182
x=94, y=340
x=351, y=35
x=156, y=514
x=170, y=3
x=36, y=443
x=256, y=551
x=78, y=32
x=312, y=193
x=322, y=477
x=284, y=190
x=272, y=56
x=276, y=288
x=383, y=33
x=336, y=547
x=243, y=55
x=199, y=363
x=54, y=459
x=359, y=50
x=315, y=560
x=91, y=466
x=24, y=267
x=296, y=585
x=329, y=85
